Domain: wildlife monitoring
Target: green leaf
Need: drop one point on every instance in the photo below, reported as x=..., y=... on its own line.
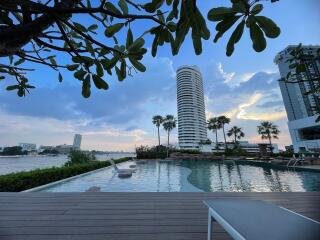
x=118, y=72
x=196, y=39
x=93, y=27
x=12, y=87
x=20, y=61
x=80, y=27
x=301, y=68
x=235, y=37
x=109, y=6
x=21, y=92
x=86, y=87
x=113, y=62
x=256, y=9
x=60, y=77
x=79, y=74
x=124, y=6
x=113, y=29
x=153, y=6
x=89, y=47
x=171, y=26
x=99, y=82
x=53, y=61
x=137, y=44
x=139, y=66
x=123, y=69
x=155, y=45
x=257, y=37
x=72, y=67
x=103, y=52
x=220, y=13
x=160, y=16
x=269, y=27
x=99, y=69
x=129, y=38
x=225, y=24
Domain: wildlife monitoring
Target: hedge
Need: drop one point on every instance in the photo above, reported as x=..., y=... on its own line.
x=16, y=182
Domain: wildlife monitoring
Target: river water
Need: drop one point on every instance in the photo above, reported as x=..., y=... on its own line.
x=27, y=163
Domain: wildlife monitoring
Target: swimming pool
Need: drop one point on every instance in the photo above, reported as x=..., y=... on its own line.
x=194, y=176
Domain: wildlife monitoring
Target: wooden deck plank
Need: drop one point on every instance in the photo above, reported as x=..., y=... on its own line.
x=125, y=215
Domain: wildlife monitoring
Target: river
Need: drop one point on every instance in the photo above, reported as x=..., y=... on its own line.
x=27, y=163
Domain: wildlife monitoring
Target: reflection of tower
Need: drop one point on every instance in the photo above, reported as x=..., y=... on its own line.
x=77, y=141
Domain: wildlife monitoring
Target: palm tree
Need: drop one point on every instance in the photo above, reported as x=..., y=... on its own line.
x=236, y=132
x=157, y=120
x=224, y=120
x=213, y=124
x=268, y=130
x=169, y=123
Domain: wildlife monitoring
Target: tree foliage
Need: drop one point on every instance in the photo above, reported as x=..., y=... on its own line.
x=237, y=133
x=41, y=31
x=268, y=130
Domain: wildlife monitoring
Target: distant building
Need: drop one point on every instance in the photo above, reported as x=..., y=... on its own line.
x=250, y=148
x=301, y=107
x=289, y=148
x=191, y=110
x=64, y=149
x=77, y=141
x=29, y=147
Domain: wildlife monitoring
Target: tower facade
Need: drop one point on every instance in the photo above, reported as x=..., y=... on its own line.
x=191, y=109
x=302, y=108
x=77, y=141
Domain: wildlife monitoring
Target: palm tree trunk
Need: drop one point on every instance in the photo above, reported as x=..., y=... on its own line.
x=168, y=144
x=216, y=138
x=224, y=136
x=158, y=136
x=271, y=148
x=235, y=139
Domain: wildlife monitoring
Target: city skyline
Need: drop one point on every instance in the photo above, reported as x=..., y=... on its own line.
x=243, y=87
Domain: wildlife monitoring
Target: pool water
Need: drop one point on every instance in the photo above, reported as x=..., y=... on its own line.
x=193, y=176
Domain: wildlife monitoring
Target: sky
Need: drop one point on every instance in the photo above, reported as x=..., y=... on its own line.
x=244, y=87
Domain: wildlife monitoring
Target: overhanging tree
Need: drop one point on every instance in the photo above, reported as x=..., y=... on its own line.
x=41, y=31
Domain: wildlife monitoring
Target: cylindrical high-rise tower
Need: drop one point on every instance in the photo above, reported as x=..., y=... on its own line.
x=191, y=110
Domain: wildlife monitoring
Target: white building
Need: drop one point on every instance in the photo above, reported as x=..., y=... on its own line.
x=28, y=146
x=191, y=110
x=301, y=108
x=251, y=148
x=77, y=141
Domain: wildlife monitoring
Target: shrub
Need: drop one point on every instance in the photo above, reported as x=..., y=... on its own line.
x=49, y=151
x=16, y=182
x=16, y=150
x=146, y=152
x=78, y=157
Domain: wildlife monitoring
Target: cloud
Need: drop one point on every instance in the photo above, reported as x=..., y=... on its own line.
x=232, y=79
x=271, y=104
x=123, y=102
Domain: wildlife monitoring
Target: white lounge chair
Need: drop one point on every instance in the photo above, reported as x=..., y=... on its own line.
x=253, y=219
x=118, y=170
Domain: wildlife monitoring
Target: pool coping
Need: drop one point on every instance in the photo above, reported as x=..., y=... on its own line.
x=36, y=189
x=281, y=167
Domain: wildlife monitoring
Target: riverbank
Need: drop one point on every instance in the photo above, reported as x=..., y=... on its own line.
x=29, y=162
x=17, y=182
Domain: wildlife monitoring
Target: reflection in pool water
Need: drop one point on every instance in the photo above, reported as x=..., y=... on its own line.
x=190, y=176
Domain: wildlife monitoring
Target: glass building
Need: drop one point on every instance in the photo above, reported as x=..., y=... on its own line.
x=301, y=100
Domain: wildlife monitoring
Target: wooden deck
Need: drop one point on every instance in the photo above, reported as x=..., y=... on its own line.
x=108, y=216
